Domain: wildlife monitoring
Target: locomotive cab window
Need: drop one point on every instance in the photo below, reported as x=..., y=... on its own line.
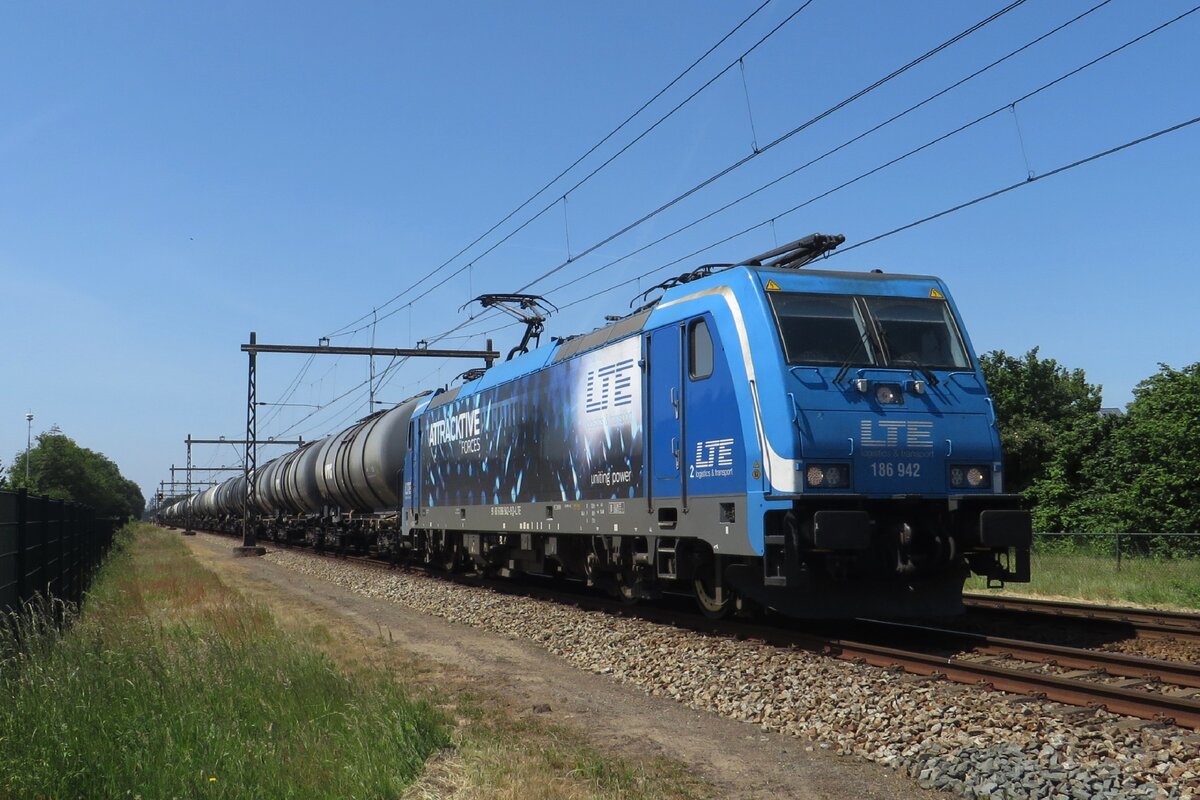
x=861, y=331
x=823, y=329
x=919, y=331
x=700, y=350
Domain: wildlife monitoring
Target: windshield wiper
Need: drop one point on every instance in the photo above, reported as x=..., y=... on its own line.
x=930, y=378
x=862, y=340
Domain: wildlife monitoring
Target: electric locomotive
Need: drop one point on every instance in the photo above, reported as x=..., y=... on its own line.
x=815, y=442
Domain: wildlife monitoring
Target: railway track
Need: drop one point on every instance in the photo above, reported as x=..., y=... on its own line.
x=1144, y=623
x=1117, y=665
x=1148, y=688
x=1151, y=689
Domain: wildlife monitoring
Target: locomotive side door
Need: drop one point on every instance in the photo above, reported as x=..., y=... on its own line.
x=664, y=412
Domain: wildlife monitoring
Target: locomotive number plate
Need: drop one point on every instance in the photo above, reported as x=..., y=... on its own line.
x=896, y=469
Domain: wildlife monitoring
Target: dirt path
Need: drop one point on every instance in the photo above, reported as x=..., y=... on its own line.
x=739, y=759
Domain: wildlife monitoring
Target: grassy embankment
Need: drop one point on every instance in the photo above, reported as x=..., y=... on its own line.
x=1173, y=583
x=172, y=684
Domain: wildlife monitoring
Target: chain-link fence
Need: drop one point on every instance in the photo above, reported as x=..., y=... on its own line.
x=1120, y=546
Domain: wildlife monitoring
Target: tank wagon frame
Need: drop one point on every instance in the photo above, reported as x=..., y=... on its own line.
x=819, y=443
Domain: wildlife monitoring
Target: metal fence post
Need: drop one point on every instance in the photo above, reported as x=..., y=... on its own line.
x=89, y=546
x=22, y=541
x=76, y=588
x=43, y=582
x=1118, y=539
x=60, y=591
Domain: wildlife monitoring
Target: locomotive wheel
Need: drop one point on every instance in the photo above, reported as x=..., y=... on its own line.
x=627, y=589
x=442, y=555
x=748, y=609
x=706, y=597
x=448, y=560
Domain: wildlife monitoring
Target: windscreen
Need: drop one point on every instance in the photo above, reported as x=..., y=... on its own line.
x=919, y=332
x=821, y=329
x=824, y=329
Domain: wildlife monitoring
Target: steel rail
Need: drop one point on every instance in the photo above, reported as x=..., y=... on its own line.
x=1118, y=665
x=1183, y=711
x=1145, y=622
x=1180, y=710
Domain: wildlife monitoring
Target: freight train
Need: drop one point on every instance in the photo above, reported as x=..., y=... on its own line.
x=760, y=436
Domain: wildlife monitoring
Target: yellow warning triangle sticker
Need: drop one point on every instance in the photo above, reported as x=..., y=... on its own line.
x=772, y=286
x=936, y=295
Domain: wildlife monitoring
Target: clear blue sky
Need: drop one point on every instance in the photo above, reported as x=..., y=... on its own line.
x=173, y=176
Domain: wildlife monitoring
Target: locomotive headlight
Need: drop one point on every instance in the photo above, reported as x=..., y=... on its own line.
x=837, y=477
x=971, y=476
x=888, y=394
x=827, y=476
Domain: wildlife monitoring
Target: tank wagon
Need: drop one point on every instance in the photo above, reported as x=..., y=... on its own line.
x=761, y=436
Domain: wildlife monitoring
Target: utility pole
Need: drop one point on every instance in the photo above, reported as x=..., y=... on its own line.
x=189, y=469
x=187, y=524
x=28, y=443
x=371, y=371
x=249, y=538
x=250, y=545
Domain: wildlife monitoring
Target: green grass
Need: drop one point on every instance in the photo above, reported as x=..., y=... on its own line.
x=527, y=758
x=1091, y=577
x=171, y=685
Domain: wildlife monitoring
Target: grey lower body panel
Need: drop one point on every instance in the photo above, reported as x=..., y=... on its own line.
x=720, y=520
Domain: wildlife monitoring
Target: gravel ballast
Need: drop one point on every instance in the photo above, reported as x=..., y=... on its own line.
x=972, y=742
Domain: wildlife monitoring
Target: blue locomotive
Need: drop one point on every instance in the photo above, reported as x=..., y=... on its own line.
x=819, y=443
x=760, y=436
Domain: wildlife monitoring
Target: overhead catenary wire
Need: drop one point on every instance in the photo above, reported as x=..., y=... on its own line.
x=945, y=212
x=324, y=407
x=978, y=120
x=743, y=161
x=491, y=248
x=895, y=117
x=288, y=391
x=779, y=140
x=929, y=218
x=294, y=386
x=907, y=226
x=575, y=163
x=1027, y=182
x=958, y=207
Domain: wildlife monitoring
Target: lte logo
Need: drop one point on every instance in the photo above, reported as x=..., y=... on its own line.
x=916, y=434
x=609, y=386
x=716, y=452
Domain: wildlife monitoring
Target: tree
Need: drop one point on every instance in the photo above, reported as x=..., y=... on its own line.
x=1048, y=417
x=1080, y=471
x=1152, y=481
x=60, y=468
